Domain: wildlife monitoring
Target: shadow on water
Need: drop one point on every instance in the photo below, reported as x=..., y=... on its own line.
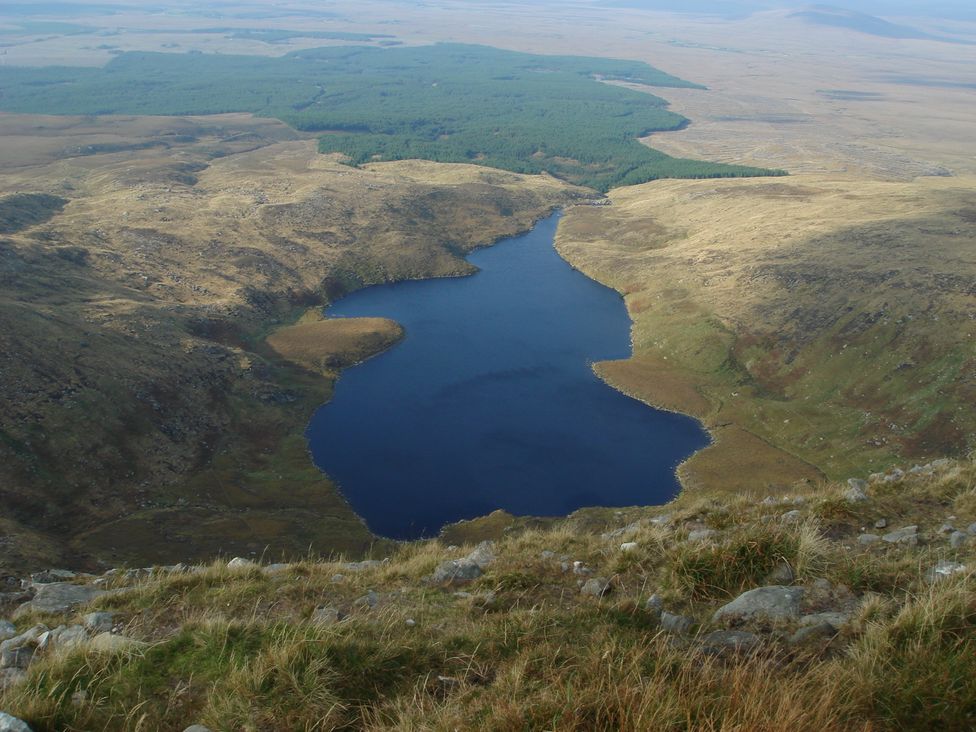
x=491, y=402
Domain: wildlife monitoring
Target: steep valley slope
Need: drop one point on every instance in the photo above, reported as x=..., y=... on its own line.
x=145, y=416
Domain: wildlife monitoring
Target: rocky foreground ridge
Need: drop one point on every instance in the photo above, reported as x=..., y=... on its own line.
x=847, y=606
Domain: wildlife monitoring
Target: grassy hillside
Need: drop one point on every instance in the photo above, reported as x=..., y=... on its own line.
x=821, y=324
x=605, y=620
x=447, y=103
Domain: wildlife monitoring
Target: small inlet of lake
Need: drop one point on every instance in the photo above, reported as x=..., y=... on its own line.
x=490, y=401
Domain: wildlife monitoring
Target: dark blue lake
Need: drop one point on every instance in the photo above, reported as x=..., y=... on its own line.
x=490, y=401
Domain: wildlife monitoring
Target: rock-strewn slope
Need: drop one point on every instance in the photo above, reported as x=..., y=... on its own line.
x=734, y=613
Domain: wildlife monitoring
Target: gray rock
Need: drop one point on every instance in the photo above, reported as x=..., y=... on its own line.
x=941, y=570
x=7, y=630
x=868, y=539
x=782, y=575
x=580, y=568
x=662, y=520
x=482, y=555
x=456, y=571
x=813, y=634
x=906, y=535
x=836, y=620
x=958, y=539
x=337, y=578
x=10, y=677
x=771, y=604
x=17, y=657
x=946, y=528
x=111, y=643
x=677, y=624
x=369, y=600
x=62, y=637
x=564, y=566
x=325, y=616
x=28, y=637
x=596, y=586
x=701, y=534
x=855, y=491
x=726, y=641
x=410, y=622
x=654, y=605
x=98, y=622
x=971, y=529
x=59, y=597
x=239, y=562
x=792, y=517
x=52, y=575
x=546, y=554
x=12, y=724
x=881, y=523
x=628, y=546
x=196, y=728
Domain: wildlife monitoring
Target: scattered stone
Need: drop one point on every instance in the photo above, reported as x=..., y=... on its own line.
x=369, y=600
x=410, y=622
x=25, y=638
x=726, y=641
x=957, y=539
x=834, y=619
x=325, y=616
x=456, y=571
x=482, y=555
x=580, y=568
x=337, y=578
x=277, y=568
x=51, y=576
x=628, y=546
x=906, y=535
x=894, y=476
x=111, y=643
x=881, y=523
x=12, y=724
x=564, y=566
x=782, y=575
x=814, y=634
x=7, y=630
x=654, y=605
x=855, y=491
x=238, y=562
x=971, y=529
x=944, y=569
x=62, y=637
x=546, y=554
x=772, y=604
x=677, y=624
x=868, y=539
x=597, y=586
x=59, y=597
x=701, y=534
x=663, y=520
x=946, y=528
x=17, y=657
x=792, y=517
x=98, y=622
x=196, y=728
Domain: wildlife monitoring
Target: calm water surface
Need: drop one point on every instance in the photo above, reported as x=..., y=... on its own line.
x=490, y=400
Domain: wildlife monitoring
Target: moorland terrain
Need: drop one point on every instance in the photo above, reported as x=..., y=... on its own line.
x=159, y=279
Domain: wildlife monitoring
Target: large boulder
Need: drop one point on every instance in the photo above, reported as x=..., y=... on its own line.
x=59, y=598
x=773, y=604
x=7, y=630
